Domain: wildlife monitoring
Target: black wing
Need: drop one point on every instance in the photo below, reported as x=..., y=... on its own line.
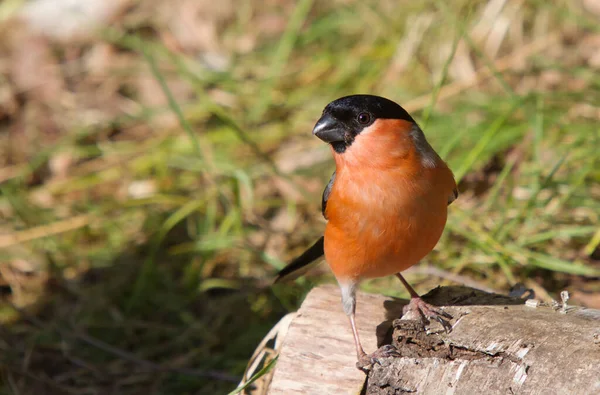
x=308, y=257
x=316, y=250
x=454, y=196
x=326, y=194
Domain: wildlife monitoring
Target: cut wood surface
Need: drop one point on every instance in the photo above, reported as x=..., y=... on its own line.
x=497, y=346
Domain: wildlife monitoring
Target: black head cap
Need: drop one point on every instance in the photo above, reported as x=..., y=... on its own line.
x=346, y=117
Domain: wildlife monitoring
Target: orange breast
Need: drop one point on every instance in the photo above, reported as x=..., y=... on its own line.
x=384, y=219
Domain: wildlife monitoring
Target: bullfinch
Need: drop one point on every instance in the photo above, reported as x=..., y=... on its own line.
x=386, y=203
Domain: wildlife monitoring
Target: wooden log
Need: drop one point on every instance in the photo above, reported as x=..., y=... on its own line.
x=498, y=345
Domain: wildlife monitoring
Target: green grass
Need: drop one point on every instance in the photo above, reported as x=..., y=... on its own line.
x=169, y=292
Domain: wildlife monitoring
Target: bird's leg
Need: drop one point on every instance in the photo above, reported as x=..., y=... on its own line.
x=349, y=305
x=364, y=360
x=360, y=352
x=417, y=306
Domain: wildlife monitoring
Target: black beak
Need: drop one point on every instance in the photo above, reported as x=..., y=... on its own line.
x=329, y=129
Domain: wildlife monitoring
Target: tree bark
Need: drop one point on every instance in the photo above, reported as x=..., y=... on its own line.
x=498, y=345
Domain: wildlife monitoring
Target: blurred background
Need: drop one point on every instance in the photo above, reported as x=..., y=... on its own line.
x=157, y=168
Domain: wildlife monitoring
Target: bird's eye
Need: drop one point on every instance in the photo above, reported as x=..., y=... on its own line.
x=364, y=118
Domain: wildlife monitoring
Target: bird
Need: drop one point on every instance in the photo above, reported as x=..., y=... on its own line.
x=386, y=203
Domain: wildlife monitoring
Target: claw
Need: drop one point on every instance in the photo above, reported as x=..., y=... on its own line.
x=445, y=324
x=366, y=361
x=444, y=314
x=387, y=351
x=427, y=312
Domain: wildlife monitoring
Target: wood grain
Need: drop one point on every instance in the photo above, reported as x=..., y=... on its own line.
x=497, y=346
x=318, y=355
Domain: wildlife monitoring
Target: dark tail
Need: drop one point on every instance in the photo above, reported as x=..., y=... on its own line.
x=309, y=256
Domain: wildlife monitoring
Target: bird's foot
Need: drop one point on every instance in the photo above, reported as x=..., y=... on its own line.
x=418, y=308
x=366, y=361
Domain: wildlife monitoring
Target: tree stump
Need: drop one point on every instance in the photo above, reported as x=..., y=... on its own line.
x=498, y=345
